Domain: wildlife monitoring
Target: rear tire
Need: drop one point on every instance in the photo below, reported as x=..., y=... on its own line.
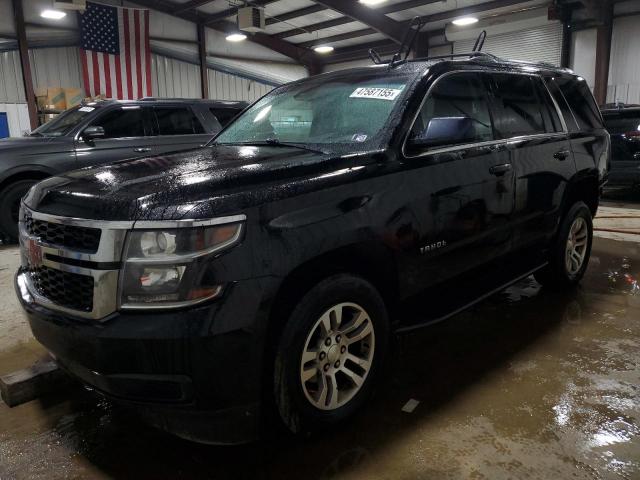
x=10, y=198
x=330, y=353
x=569, y=255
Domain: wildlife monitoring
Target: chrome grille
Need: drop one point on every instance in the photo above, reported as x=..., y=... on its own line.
x=76, y=238
x=71, y=264
x=66, y=289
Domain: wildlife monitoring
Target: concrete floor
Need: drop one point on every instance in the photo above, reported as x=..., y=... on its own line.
x=528, y=384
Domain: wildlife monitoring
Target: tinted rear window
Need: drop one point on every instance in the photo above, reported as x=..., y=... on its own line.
x=625, y=122
x=581, y=101
x=224, y=115
x=177, y=121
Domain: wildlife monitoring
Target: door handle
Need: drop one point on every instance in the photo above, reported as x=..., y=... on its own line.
x=500, y=170
x=142, y=149
x=561, y=155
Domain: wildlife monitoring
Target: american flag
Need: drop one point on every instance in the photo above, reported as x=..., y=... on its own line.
x=115, y=53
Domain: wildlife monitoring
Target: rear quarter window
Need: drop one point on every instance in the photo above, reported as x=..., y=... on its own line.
x=623, y=123
x=581, y=101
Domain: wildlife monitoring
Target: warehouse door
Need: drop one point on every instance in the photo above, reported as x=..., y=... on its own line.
x=539, y=44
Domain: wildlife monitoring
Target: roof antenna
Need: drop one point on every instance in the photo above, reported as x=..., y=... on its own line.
x=477, y=47
x=407, y=42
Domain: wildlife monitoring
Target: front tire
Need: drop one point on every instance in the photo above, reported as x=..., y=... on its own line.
x=10, y=198
x=571, y=250
x=330, y=353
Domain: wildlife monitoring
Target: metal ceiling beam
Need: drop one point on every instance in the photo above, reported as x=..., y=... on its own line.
x=370, y=17
x=190, y=5
x=301, y=55
x=338, y=38
x=461, y=12
x=396, y=7
x=295, y=14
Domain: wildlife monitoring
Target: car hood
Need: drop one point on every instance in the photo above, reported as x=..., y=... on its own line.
x=29, y=146
x=201, y=183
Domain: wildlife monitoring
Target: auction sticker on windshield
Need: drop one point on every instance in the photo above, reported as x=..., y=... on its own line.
x=376, y=92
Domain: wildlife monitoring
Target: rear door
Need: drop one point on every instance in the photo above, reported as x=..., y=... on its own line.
x=527, y=118
x=461, y=192
x=176, y=127
x=127, y=135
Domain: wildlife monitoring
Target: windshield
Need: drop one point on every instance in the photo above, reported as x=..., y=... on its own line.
x=63, y=123
x=349, y=113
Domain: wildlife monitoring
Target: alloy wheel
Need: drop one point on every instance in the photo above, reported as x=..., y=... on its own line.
x=576, y=249
x=337, y=356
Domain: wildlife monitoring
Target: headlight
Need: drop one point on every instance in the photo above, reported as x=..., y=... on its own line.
x=167, y=268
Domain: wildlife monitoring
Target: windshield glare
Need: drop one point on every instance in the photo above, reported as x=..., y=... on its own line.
x=63, y=123
x=348, y=112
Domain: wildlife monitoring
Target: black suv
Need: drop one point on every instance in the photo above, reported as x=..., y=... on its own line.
x=272, y=266
x=623, y=123
x=103, y=132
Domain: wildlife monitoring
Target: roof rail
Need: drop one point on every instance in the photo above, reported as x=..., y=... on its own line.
x=488, y=56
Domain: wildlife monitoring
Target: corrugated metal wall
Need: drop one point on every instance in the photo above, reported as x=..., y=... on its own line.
x=223, y=86
x=11, y=87
x=55, y=67
x=540, y=44
x=173, y=78
x=624, y=70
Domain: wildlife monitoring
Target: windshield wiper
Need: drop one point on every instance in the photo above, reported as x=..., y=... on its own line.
x=273, y=142
x=278, y=143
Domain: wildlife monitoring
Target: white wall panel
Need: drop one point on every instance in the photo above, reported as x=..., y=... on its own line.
x=173, y=78
x=583, y=54
x=11, y=86
x=223, y=86
x=624, y=69
x=17, y=117
x=539, y=44
x=56, y=67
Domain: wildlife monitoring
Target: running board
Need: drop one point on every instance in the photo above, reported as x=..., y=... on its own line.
x=425, y=320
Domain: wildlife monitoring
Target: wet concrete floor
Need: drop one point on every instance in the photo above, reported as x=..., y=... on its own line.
x=528, y=384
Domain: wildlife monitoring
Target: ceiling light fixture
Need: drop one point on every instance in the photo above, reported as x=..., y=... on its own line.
x=371, y=3
x=236, y=37
x=53, y=14
x=464, y=21
x=323, y=49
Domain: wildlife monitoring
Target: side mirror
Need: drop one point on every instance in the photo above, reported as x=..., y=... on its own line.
x=445, y=131
x=93, y=132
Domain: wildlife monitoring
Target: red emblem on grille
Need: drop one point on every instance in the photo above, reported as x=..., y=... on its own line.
x=34, y=254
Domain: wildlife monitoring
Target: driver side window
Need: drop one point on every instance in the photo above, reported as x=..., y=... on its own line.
x=455, y=113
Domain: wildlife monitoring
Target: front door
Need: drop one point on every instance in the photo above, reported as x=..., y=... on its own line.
x=460, y=181
x=127, y=134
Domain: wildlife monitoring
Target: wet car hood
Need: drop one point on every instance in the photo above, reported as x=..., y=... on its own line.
x=225, y=178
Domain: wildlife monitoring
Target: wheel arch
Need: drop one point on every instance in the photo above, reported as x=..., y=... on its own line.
x=26, y=172
x=585, y=188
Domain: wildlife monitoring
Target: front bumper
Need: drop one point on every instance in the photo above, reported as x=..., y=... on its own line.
x=196, y=373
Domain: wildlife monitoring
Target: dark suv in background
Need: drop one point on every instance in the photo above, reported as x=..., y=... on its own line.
x=623, y=123
x=272, y=266
x=103, y=132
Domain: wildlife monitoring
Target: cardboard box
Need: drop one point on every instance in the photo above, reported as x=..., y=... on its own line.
x=55, y=97
x=51, y=98
x=73, y=96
